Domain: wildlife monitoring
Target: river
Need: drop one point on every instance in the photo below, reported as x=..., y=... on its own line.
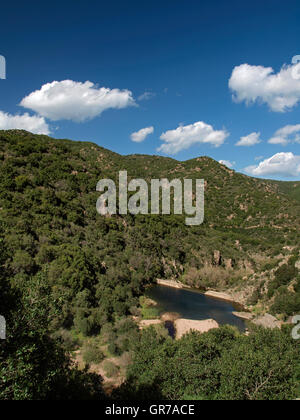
x=191, y=304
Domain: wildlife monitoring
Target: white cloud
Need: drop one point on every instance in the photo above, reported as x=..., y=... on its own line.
x=76, y=101
x=186, y=136
x=250, y=140
x=227, y=163
x=281, y=91
x=34, y=124
x=286, y=135
x=146, y=96
x=281, y=164
x=141, y=135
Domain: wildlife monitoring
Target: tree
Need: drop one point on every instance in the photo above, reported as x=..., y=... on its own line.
x=217, y=365
x=32, y=364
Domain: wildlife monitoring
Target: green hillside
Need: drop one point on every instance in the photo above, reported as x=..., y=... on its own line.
x=292, y=189
x=48, y=215
x=94, y=269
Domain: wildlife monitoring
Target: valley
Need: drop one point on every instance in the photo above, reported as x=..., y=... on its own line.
x=78, y=280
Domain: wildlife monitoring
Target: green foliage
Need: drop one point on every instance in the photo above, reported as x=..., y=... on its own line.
x=92, y=353
x=148, y=309
x=110, y=369
x=256, y=295
x=121, y=336
x=283, y=276
x=32, y=364
x=64, y=267
x=286, y=303
x=67, y=339
x=220, y=364
x=292, y=189
x=50, y=224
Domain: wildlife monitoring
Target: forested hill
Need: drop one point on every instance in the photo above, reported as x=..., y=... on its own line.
x=63, y=267
x=50, y=225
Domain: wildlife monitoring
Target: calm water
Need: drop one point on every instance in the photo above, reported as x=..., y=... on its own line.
x=191, y=304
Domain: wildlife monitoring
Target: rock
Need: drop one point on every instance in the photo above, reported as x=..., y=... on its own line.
x=184, y=326
x=170, y=316
x=217, y=258
x=170, y=283
x=244, y=315
x=219, y=295
x=267, y=321
x=228, y=263
x=248, y=265
x=297, y=264
x=151, y=302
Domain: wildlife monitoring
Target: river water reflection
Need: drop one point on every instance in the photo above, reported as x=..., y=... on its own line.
x=191, y=304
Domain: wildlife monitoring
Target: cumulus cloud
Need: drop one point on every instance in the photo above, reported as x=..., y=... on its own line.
x=286, y=135
x=227, y=163
x=186, y=136
x=281, y=91
x=281, y=164
x=141, y=135
x=250, y=140
x=76, y=101
x=34, y=124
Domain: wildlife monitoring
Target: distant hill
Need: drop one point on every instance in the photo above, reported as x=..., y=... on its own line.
x=99, y=265
x=292, y=189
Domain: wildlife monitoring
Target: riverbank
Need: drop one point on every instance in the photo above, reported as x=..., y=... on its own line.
x=209, y=293
x=172, y=283
x=246, y=316
x=181, y=326
x=221, y=296
x=184, y=310
x=192, y=303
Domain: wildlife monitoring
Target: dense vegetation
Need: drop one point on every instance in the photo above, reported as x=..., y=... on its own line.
x=32, y=364
x=65, y=267
x=218, y=365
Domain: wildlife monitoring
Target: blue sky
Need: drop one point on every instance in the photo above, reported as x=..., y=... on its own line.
x=182, y=54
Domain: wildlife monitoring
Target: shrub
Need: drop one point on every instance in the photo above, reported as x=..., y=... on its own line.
x=92, y=354
x=110, y=369
x=69, y=342
x=114, y=349
x=256, y=296
x=286, y=303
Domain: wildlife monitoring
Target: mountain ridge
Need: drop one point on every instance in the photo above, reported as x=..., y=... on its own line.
x=287, y=184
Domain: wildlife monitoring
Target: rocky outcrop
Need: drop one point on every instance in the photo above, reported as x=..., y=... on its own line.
x=228, y=263
x=171, y=283
x=267, y=321
x=217, y=258
x=247, y=316
x=219, y=295
x=184, y=326
x=170, y=316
